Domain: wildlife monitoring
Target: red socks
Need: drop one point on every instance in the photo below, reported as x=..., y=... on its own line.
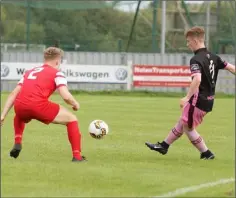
x=19, y=127
x=74, y=137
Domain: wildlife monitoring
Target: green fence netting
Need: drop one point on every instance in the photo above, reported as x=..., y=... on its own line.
x=61, y=4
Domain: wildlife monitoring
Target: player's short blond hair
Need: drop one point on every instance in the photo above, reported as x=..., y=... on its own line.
x=52, y=53
x=195, y=32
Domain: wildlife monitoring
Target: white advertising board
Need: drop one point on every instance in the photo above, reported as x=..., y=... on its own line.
x=73, y=73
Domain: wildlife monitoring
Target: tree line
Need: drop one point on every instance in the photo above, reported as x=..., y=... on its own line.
x=104, y=29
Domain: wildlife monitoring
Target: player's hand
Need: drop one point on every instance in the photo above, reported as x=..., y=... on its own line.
x=183, y=101
x=2, y=120
x=76, y=107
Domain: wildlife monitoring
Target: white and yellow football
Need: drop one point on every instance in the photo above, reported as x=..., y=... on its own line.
x=98, y=129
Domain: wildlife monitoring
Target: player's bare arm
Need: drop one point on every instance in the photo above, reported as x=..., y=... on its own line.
x=196, y=81
x=68, y=98
x=9, y=103
x=230, y=68
x=194, y=85
x=192, y=89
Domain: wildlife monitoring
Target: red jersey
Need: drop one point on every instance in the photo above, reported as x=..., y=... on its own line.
x=39, y=83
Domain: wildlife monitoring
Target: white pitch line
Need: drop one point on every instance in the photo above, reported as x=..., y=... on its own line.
x=185, y=190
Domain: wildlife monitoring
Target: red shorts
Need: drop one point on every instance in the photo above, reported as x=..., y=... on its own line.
x=44, y=112
x=192, y=116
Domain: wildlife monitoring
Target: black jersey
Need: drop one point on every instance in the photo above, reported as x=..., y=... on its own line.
x=208, y=65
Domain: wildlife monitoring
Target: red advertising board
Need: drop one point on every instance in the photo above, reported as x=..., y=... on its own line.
x=161, y=76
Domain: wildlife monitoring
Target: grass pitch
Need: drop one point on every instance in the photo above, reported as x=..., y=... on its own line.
x=120, y=164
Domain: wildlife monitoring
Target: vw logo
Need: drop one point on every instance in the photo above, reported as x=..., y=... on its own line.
x=121, y=74
x=4, y=70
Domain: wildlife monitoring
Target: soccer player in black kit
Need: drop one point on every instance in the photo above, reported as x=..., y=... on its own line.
x=199, y=100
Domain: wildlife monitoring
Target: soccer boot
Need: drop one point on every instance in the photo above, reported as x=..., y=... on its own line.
x=15, y=152
x=208, y=155
x=81, y=160
x=157, y=147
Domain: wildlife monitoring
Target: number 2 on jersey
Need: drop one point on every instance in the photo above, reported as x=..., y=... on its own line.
x=33, y=74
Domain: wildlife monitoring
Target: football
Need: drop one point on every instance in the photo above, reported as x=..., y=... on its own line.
x=98, y=129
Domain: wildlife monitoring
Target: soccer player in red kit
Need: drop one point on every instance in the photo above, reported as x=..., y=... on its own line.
x=30, y=100
x=199, y=100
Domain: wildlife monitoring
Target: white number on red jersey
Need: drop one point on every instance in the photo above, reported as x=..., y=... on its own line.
x=33, y=74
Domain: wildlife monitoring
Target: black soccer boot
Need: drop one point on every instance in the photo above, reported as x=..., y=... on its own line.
x=81, y=160
x=159, y=147
x=208, y=155
x=15, y=152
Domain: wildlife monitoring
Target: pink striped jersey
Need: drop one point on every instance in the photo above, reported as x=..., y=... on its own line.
x=39, y=83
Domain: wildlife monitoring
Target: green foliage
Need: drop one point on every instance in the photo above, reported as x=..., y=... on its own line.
x=60, y=4
x=92, y=30
x=3, y=17
x=225, y=36
x=3, y=13
x=15, y=31
x=100, y=29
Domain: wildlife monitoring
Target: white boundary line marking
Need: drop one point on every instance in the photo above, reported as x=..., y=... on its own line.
x=185, y=190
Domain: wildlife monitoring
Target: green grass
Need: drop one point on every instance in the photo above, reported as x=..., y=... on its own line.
x=120, y=164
